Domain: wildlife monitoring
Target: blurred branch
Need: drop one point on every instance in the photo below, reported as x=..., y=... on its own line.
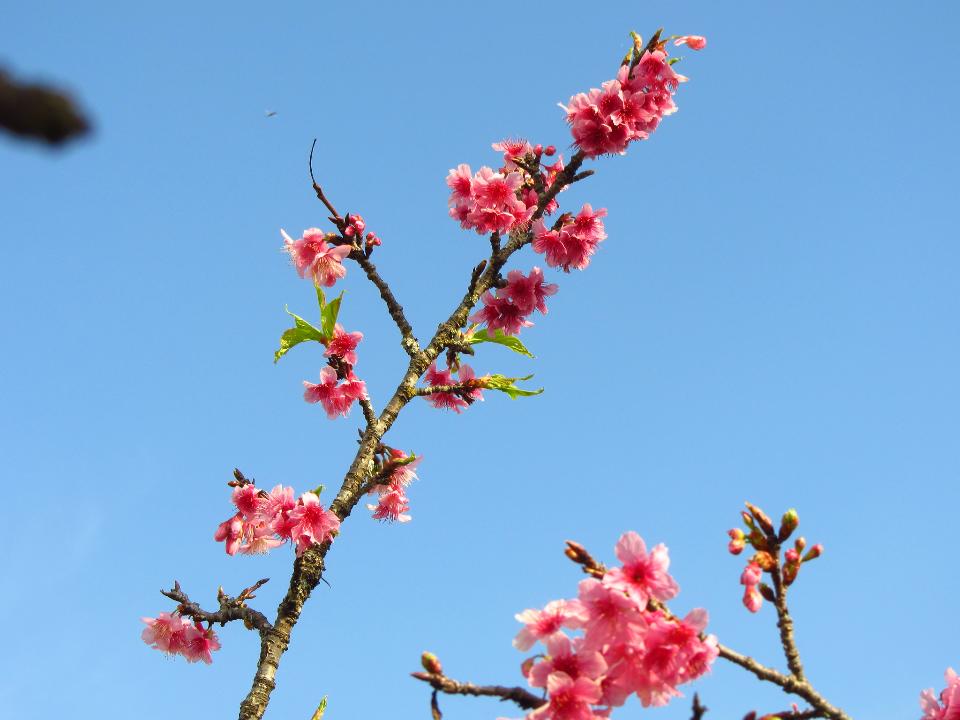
x=39, y=111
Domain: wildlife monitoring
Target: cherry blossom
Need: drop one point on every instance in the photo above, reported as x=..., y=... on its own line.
x=642, y=576
x=314, y=257
x=948, y=705
x=335, y=398
x=311, y=523
x=343, y=344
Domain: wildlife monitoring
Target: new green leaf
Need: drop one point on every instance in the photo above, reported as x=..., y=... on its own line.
x=328, y=313
x=500, y=338
x=302, y=331
x=321, y=709
x=507, y=385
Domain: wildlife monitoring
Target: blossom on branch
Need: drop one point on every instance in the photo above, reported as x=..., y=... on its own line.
x=313, y=257
x=571, y=242
x=948, y=706
x=336, y=397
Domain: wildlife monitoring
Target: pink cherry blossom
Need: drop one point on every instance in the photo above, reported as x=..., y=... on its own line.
x=611, y=616
x=314, y=257
x=576, y=240
x=275, y=509
x=643, y=576
x=448, y=400
x=460, y=182
x=529, y=292
x=311, y=523
x=259, y=539
x=499, y=312
x=513, y=149
x=392, y=506
x=694, y=42
x=335, y=398
x=948, y=705
x=491, y=203
x=625, y=109
x=164, y=632
x=569, y=699
x=230, y=532
x=247, y=499
x=343, y=344
x=541, y=624
x=568, y=656
x=199, y=643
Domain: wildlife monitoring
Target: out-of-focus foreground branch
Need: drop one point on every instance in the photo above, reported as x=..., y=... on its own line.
x=39, y=111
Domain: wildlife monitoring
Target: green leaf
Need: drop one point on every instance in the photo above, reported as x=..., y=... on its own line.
x=328, y=314
x=500, y=338
x=506, y=385
x=302, y=331
x=321, y=709
x=319, y=489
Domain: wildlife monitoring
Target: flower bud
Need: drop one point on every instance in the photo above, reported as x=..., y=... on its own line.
x=431, y=663
x=737, y=542
x=758, y=540
x=765, y=523
x=527, y=665
x=747, y=519
x=800, y=543
x=767, y=592
x=752, y=600
x=792, y=556
x=790, y=571
x=813, y=553
x=765, y=560
x=788, y=523
x=751, y=574
x=549, y=150
x=538, y=149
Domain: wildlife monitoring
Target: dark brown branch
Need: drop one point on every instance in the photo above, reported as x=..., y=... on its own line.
x=40, y=112
x=337, y=220
x=369, y=414
x=409, y=342
x=697, y=711
x=523, y=698
x=230, y=608
x=785, y=622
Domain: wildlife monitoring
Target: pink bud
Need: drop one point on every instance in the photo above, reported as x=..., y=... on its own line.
x=752, y=600
x=538, y=149
x=736, y=545
x=549, y=150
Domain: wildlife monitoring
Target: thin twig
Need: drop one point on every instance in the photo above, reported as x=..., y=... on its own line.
x=525, y=699
x=785, y=622
x=230, y=608
x=409, y=342
x=698, y=710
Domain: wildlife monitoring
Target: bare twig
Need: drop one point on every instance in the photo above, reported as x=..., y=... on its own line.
x=525, y=699
x=698, y=710
x=785, y=622
x=230, y=608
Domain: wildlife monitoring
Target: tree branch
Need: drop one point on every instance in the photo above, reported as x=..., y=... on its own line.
x=230, y=608
x=308, y=568
x=523, y=698
x=785, y=622
x=39, y=111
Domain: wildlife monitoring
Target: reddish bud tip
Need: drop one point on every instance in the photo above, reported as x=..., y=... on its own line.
x=767, y=592
x=527, y=665
x=800, y=543
x=813, y=553
x=763, y=520
x=431, y=663
x=549, y=150
x=788, y=523
x=538, y=149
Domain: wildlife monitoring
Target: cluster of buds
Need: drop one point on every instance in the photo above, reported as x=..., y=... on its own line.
x=768, y=541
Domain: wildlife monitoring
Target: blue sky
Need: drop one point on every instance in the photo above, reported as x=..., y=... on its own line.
x=773, y=317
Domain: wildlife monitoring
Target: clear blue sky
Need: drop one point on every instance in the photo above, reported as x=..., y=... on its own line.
x=773, y=317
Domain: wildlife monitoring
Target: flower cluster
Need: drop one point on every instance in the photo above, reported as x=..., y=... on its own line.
x=629, y=107
x=630, y=643
x=177, y=635
x=265, y=520
x=948, y=706
x=572, y=240
x=313, y=256
x=509, y=308
x=767, y=541
x=489, y=201
x=335, y=396
x=398, y=471
x=470, y=387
